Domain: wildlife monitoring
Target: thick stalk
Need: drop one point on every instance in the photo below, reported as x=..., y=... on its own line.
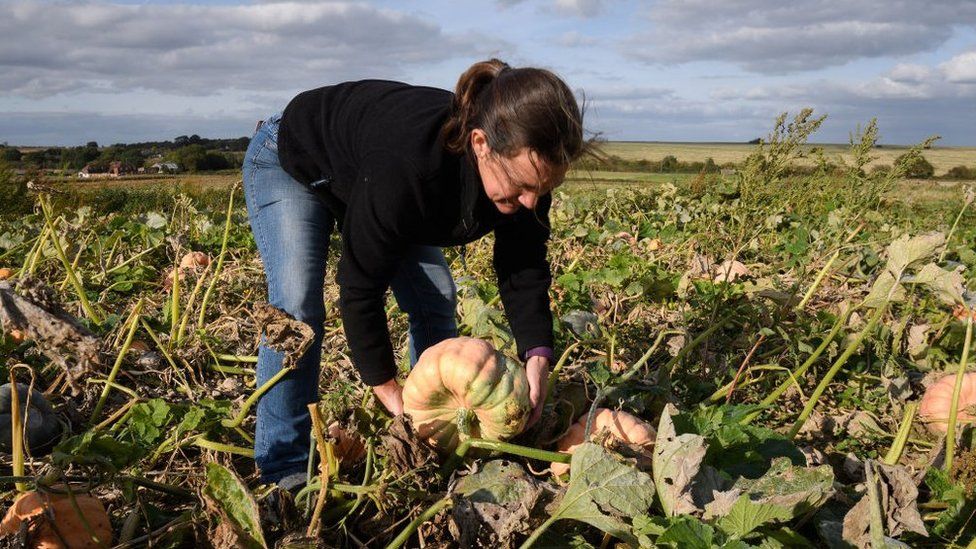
x=231, y=423
x=220, y=259
x=956, y=391
x=554, y=374
x=325, y=461
x=79, y=288
x=133, y=323
x=497, y=446
x=16, y=432
x=816, y=282
x=538, y=532
x=189, y=305
x=791, y=378
x=174, y=306
x=876, y=528
x=836, y=367
x=169, y=358
x=415, y=524
x=898, y=445
x=955, y=223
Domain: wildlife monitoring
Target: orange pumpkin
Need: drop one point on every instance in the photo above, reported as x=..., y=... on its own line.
x=6, y=273
x=194, y=259
x=59, y=521
x=934, y=408
x=349, y=446
x=624, y=427
x=463, y=387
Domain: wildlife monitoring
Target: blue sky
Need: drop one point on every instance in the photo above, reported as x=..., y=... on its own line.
x=667, y=70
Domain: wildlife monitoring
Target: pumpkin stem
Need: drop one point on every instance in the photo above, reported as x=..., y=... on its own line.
x=466, y=422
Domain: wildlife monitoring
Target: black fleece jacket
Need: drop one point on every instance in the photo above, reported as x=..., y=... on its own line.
x=372, y=150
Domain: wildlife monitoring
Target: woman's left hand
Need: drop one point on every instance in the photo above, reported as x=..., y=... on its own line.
x=537, y=370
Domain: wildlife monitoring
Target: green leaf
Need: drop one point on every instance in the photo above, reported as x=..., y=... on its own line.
x=746, y=515
x=228, y=494
x=798, y=489
x=602, y=491
x=147, y=419
x=93, y=448
x=687, y=532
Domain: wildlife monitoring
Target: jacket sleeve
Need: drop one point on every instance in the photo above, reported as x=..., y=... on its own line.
x=524, y=275
x=383, y=211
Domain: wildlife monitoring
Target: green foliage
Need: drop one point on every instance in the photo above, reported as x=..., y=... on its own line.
x=915, y=165
x=236, y=505
x=196, y=158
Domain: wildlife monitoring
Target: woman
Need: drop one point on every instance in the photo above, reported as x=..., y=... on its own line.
x=402, y=171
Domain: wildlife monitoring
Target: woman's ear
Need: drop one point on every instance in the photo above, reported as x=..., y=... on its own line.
x=479, y=143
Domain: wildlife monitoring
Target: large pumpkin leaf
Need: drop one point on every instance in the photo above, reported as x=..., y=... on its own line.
x=237, y=508
x=906, y=251
x=945, y=285
x=603, y=491
x=677, y=460
x=747, y=515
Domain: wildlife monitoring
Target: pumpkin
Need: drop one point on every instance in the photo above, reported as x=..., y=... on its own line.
x=622, y=426
x=934, y=408
x=6, y=273
x=43, y=427
x=463, y=387
x=194, y=259
x=53, y=518
x=349, y=446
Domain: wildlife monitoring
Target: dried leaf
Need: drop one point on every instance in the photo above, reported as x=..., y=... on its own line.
x=729, y=271
x=899, y=494
x=496, y=504
x=677, y=460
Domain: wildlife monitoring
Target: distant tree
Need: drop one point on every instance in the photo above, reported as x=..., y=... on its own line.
x=669, y=164
x=755, y=141
x=196, y=158
x=710, y=166
x=916, y=166
x=10, y=154
x=961, y=172
x=181, y=141
x=92, y=144
x=195, y=140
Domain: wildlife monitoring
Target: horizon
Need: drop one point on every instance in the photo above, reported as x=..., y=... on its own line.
x=702, y=71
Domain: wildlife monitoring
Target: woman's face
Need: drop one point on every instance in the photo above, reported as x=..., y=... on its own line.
x=513, y=182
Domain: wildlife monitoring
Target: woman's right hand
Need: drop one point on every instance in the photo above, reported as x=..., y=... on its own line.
x=391, y=395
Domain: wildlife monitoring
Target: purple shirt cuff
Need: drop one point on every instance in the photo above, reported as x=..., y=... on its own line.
x=541, y=351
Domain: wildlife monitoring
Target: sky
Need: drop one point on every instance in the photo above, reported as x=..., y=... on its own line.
x=664, y=70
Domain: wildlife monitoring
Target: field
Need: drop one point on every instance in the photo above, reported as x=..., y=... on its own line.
x=942, y=158
x=777, y=331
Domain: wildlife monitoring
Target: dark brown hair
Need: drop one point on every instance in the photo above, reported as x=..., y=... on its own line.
x=516, y=108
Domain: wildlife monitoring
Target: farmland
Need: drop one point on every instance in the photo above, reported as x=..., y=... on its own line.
x=778, y=330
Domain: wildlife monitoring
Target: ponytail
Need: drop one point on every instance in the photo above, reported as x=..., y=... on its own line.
x=516, y=108
x=471, y=84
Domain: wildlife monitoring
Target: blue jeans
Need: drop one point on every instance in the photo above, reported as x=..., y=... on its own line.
x=291, y=227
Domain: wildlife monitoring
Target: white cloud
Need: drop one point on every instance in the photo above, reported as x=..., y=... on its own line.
x=579, y=8
x=770, y=36
x=46, y=49
x=961, y=69
x=575, y=39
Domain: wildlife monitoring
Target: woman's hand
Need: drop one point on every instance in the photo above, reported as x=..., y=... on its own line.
x=537, y=370
x=391, y=395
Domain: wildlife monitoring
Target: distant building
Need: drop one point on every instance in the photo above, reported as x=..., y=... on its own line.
x=115, y=168
x=165, y=167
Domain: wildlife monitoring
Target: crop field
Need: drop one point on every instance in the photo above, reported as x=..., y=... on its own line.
x=942, y=158
x=768, y=335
